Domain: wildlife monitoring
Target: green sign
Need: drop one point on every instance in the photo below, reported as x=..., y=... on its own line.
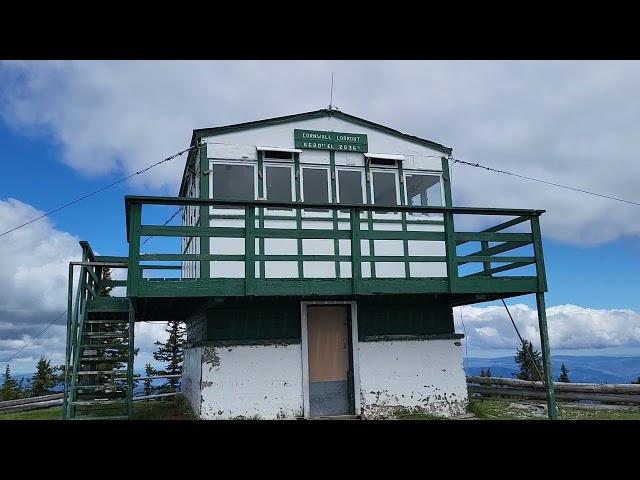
x=319, y=140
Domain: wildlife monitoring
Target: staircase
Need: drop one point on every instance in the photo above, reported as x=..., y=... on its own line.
x=100, y=380
x=100, y=347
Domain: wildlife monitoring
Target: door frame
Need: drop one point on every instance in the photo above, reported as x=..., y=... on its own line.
x=306, y=407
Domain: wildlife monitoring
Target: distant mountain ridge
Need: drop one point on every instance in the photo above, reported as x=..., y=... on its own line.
x=587, y=369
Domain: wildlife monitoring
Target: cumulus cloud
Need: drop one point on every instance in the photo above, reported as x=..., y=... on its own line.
x=572, y=122
x=34, y=262
x=570, y=327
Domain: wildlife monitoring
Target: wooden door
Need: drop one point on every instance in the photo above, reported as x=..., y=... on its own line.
x=329, y=360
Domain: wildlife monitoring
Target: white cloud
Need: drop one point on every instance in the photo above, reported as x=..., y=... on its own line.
x=572, y=122
x=34, y=262
x=570, y=327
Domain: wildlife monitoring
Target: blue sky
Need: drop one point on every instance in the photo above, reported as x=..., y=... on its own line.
x=68, y=128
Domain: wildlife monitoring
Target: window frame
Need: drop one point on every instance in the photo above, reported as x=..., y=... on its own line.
x=279, y=164
x=396, y=174
x=433, y=173
x=363, y=184
x=220, y=161
x=327, y=168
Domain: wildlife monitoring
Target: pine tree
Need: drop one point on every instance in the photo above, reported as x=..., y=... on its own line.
x=149, y=389
x=44, y=379
x=525, y=358
x=10, y=389
x=171, y=353
x=105, y=274
x=564, y=374
x=636, y=381
x=485, y=373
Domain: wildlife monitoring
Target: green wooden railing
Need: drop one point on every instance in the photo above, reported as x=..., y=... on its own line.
x=347, y=224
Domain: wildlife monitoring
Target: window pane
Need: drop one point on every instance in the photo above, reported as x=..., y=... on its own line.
x=424, y=190
x=233, y=182
x=384, y=188
x=315, y=183
x=279, y=184
x=350, y=187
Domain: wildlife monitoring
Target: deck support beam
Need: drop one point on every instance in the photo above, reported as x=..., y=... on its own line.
x=546, y=357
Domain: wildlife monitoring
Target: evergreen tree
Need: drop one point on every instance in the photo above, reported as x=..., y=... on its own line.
x=44, y=379
x=485, y=373
x=105, y=274
x=171, y=353
x=149, y=389
x=528, y=358
x=636, y=381
x=564, y=374
x=10, y=389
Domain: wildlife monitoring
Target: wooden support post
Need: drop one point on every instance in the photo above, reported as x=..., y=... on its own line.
x=205, y=194
x=546, y=357
x=449, y=228
x=134, y=274
x=356, y=265
x=249, y=250
x=132, y=322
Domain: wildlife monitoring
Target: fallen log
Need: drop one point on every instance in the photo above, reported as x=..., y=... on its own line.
x=559, y=386
x=571, y=396
x=23, y=401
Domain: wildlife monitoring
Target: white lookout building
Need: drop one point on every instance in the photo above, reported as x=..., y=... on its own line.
x=316, y=267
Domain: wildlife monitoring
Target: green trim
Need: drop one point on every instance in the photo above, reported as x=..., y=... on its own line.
x=210, y=132
x=546, y=356
x=333, y=178
x=204, y=209
x=401, y=338
x=297, y=171
x=240, y=343
x=261, y=210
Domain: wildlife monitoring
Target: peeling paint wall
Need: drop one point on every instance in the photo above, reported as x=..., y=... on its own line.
x=191, y=370
x=251, y=381
x=424, y=375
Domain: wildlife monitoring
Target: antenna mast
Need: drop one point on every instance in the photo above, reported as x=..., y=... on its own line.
x=331, y=97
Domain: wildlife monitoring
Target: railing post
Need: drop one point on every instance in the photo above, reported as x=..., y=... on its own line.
x=486, y=266
x=249, y=250
x=450, y=245
x=356, y=265
x=537, y=252
x=67, y=355
x=133, y=270
x=546, y=356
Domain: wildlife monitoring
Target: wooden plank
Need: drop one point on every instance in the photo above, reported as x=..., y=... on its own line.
x=502, y=268
x=493, y=259
x=505, y=247
x=493, y=237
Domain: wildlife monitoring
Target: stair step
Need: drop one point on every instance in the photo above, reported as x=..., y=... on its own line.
x=90, y=403
x=104, y=387
x=96, y=372
x=108, y=320
x=106, y=335
x=103, y=346
x=104, y=359
x=113, y=417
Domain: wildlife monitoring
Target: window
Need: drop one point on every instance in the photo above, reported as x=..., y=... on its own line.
x=350, y=187
x=233, y=182
x=278, y=183
x=423, y=190
x=277, y=155
x=315, y=185
x=385, y=188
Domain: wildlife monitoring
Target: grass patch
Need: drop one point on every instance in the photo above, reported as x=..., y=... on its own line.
x=411, y=414
x=53, y=413
x=504, y=409
x=176, y=408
